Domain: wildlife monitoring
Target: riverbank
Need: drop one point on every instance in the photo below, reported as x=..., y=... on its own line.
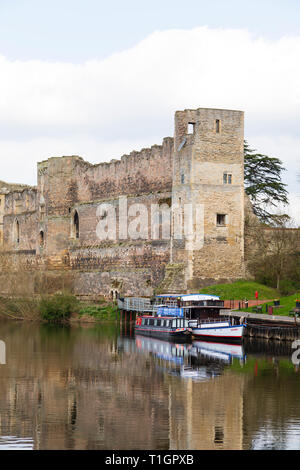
x=236, y=294
x=284, y=305
x=57, y=308
x=240, y=290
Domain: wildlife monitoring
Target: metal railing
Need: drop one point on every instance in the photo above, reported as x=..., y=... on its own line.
x=137, y=304
x=142, y=304
x=215, y=320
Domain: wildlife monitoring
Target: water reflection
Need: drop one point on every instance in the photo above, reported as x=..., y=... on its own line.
x=95, y=388
x=199, y=361
x=15, y=443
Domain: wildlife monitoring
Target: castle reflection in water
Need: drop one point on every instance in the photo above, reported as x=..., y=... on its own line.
x=94, y=388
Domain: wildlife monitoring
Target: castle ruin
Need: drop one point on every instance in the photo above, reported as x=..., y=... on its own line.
x=52, y=228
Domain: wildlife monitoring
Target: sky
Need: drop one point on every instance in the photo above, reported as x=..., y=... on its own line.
x=100, y=79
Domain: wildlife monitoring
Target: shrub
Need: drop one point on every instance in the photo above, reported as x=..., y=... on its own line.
x=58, y=307
x=287, y=287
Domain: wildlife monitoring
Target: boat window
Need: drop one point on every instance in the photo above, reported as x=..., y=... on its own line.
x=158, y=322
x=151, y=321
x=143, y=321
x=155, y=322
x=174, y=323
x=186, y=323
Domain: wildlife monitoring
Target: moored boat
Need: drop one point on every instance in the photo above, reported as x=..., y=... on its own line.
x=168, y=327
x=183, y=316
x=216, y=330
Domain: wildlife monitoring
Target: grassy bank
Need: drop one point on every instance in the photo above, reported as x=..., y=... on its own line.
x=241, y=290
x=57, y=308
x=246, y=290
x=103, y=312
x=286, y=305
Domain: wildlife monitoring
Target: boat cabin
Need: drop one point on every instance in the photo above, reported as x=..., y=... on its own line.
x=164, y=322
x=192, y=306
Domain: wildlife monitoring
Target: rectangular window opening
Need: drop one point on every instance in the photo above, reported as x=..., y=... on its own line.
x=227, y=178
x=218, y=126
x=191, y=128
x=221, y=219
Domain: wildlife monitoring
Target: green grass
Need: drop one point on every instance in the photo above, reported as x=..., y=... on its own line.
x=287, y=304
x=99, y=312
x=241, y=290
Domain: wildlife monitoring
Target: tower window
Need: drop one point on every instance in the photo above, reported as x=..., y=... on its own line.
x=76, y=224
x=16, y=232
x=227, y=178
x=191, y=128
x=221, y=220
x=182, y=178
x=218, y=126
x=42, y=238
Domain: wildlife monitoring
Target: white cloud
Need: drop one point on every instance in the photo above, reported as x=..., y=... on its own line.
x=102, y=109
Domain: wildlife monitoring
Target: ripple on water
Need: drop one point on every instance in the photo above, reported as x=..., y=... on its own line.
x=16, y=443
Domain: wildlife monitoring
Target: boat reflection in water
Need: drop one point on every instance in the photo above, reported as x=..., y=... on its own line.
x=198, y=361
x=221, y=351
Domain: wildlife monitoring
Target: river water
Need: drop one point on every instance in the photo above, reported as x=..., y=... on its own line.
x=99, y=387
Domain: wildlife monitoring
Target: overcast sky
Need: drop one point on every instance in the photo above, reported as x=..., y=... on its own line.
x=99, y=79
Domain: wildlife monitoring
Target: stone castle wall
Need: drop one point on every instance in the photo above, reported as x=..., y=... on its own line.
x=214, y=148
x=52, y=228
x=37, y=222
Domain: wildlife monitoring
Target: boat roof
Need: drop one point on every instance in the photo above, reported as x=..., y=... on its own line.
x=189, y=297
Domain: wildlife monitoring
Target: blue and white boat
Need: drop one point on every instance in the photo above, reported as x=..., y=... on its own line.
x=204, y=320
x=183, y=316
x=168, y=323
x=216, y=330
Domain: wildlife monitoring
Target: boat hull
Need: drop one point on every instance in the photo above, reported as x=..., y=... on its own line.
x=164, y=333
x=219, y=333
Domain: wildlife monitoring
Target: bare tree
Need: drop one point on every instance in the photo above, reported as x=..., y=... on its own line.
x=274, y=251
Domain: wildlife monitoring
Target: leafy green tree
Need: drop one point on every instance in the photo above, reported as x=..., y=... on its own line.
x=263, y=184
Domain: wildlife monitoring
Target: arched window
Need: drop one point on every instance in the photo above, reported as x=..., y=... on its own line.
x=76, y=225
x=16, y=232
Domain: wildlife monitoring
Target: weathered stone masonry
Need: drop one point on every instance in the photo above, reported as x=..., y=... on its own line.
x=51, y=228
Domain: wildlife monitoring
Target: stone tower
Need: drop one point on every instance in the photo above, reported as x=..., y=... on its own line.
x=208, y=198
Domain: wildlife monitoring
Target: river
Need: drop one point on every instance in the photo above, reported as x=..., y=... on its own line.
x=99, y=387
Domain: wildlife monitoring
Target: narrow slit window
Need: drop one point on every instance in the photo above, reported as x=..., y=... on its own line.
x=76, y=225
x=218, y=125
x=16, y=232
x=42, y=238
